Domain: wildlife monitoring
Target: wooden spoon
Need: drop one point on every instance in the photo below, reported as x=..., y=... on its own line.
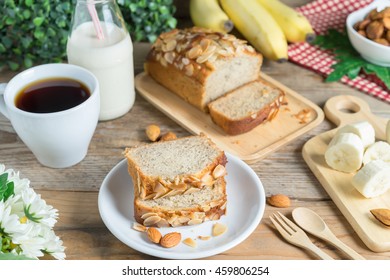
x=314, y=224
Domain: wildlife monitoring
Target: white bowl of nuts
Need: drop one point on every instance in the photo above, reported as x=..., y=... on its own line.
x=369, y=32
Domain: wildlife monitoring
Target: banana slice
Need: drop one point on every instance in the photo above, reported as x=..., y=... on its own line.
x=373, y=179
x=345, y=152
x=362, y=129
x=378, y=150
x=388, y=132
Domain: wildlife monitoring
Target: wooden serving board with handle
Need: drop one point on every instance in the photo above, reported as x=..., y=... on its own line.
x=342, y=110
x=251, y=146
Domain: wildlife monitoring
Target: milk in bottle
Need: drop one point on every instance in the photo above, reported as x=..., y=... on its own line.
x=105, y=48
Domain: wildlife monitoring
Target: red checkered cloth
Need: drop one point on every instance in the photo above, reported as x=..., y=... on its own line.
x=332, y=14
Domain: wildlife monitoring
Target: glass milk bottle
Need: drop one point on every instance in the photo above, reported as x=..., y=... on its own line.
x=100, y=42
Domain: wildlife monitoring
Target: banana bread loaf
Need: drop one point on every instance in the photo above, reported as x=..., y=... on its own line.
x=200, y=65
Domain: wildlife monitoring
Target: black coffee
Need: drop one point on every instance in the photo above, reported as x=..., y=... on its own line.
x=51, y=95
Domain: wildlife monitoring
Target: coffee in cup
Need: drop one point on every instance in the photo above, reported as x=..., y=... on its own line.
x=54, y=109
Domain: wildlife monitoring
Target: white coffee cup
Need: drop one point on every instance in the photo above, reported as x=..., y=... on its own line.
x=60, y=139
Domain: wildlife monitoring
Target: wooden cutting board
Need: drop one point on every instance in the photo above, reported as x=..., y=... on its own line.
x=251, y=146
x=342, y=110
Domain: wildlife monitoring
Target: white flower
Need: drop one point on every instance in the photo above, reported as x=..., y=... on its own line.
x=9, y=223
x=36, y=209
x=53, y=244
x=30, y=243
x=26, y=221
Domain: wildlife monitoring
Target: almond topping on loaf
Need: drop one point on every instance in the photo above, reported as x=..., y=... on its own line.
x=183, y=47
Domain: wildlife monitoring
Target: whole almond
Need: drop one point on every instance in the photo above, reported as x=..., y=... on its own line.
x=375, y=30
x=386, y=22
x=154, y=235
x=153, y=132
x=170, y=240
x=168, y=136
x=279, y=200
x=382, y=215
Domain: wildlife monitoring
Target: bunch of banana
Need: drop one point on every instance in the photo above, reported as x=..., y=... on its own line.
x=258, y=27
x=295, y=26
x=208, y=14
x=267, y=24
x=352, y=149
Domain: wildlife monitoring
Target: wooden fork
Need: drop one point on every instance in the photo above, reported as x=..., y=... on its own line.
x=295, y=235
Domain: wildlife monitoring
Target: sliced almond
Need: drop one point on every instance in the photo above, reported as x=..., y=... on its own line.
x=198, y=215
x=154, y=235
x=162, y=223
x=219, y=171
x=183, y=220
x=180, y=187
x=194, y=52
x=219, y=229
x=170, y=240
x=204, y=237
x=195, y=222
x=190, y=242
x=207, y=179
x=171, y=45
x=147, y=215
x=151, y=221
x=215, y=217
x=159, y=188
x=139, y=227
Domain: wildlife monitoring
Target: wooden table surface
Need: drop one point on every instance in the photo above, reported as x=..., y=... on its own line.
x=74, y=191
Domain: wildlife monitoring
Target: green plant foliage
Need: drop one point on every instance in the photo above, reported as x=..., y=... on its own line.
x=34, y=32
x=146, y=19
x=349, y=61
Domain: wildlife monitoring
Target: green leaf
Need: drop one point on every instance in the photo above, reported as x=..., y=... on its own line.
x=28, y=3
x=10, y=21
x=10, y=256
x=6, y=188
x=38, y=21
x=382, y=73
x=10, y=190
x=343, y=68
x=26, y=14
x=13, y=65
x=2, y=48
x=349, y=62
x=28, y=62
x=39, y=34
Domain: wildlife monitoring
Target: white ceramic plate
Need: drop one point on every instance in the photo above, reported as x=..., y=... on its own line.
x=245, y=208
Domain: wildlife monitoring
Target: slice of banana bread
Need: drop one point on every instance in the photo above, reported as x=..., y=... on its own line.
x=172, y=167
x=193, y=207
x=246, y=107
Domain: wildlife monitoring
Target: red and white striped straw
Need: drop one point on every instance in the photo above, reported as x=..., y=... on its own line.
x=95, y=19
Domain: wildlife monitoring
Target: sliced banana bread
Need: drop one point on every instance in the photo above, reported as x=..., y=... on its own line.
x=193, y=207
x=246, y=107
x=173, y=167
